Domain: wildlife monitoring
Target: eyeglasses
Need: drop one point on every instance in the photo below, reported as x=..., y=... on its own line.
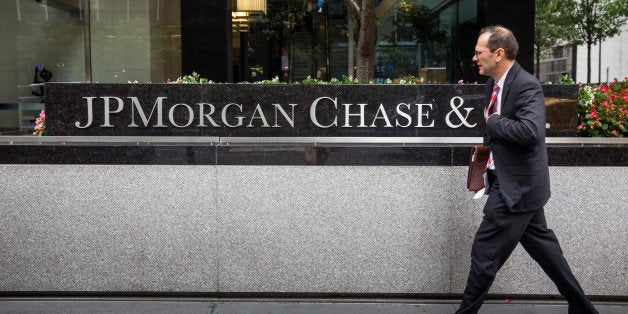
x=478, y=53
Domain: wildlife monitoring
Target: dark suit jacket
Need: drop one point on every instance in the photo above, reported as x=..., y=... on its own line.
x=517, y=140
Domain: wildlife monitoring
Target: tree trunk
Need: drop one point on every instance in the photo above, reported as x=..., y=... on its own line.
x=365, y=49
x=362, y=18
x=588, y=62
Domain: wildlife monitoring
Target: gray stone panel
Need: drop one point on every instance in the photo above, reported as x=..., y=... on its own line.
x=107, y=228
x=334, y=229
x=287, y=229
x=588, y=213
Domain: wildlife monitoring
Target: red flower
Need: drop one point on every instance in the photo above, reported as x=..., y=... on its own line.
x=613, y=96
x=593, y=113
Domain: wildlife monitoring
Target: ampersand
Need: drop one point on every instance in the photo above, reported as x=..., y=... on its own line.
x=455, y=109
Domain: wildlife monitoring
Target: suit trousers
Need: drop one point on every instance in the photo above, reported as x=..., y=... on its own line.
x=498, y=235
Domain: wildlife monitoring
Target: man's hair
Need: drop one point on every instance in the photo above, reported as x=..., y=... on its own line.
x=501, y=37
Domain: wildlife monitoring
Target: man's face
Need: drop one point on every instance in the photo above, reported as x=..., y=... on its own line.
x=483, y=57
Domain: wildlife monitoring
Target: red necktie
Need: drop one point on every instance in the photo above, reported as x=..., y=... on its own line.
x=493, y=101
x=488, y=112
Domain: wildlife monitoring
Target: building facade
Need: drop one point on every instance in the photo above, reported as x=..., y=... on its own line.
x=608, y=59
x=120, y=41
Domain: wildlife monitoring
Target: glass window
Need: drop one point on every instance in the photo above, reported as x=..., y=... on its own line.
x=556, y=64
x=107, y=41
x=117, y=41
x=137, y=40
x=42, y=41
x=443, y=60
x=291, y=41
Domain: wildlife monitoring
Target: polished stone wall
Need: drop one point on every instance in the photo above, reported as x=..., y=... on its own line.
x=293, y=210
x=286, y=229
x=407, y=151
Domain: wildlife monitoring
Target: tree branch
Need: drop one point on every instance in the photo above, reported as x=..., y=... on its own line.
x=355, y=5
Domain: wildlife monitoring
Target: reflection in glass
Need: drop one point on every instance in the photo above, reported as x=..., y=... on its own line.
x=41, y=41
x=297, y=39
x=113, y=41
x=135, y=40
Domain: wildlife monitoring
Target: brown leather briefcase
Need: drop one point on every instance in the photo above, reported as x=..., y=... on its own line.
x=477, y=167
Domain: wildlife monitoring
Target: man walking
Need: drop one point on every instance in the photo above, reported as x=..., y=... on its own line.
x=518, y=177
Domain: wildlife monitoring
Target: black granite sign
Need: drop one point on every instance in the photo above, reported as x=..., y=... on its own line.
x=251, y=110
x=263, y=110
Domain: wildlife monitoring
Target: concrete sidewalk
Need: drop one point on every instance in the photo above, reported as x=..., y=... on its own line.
x=200, y=305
